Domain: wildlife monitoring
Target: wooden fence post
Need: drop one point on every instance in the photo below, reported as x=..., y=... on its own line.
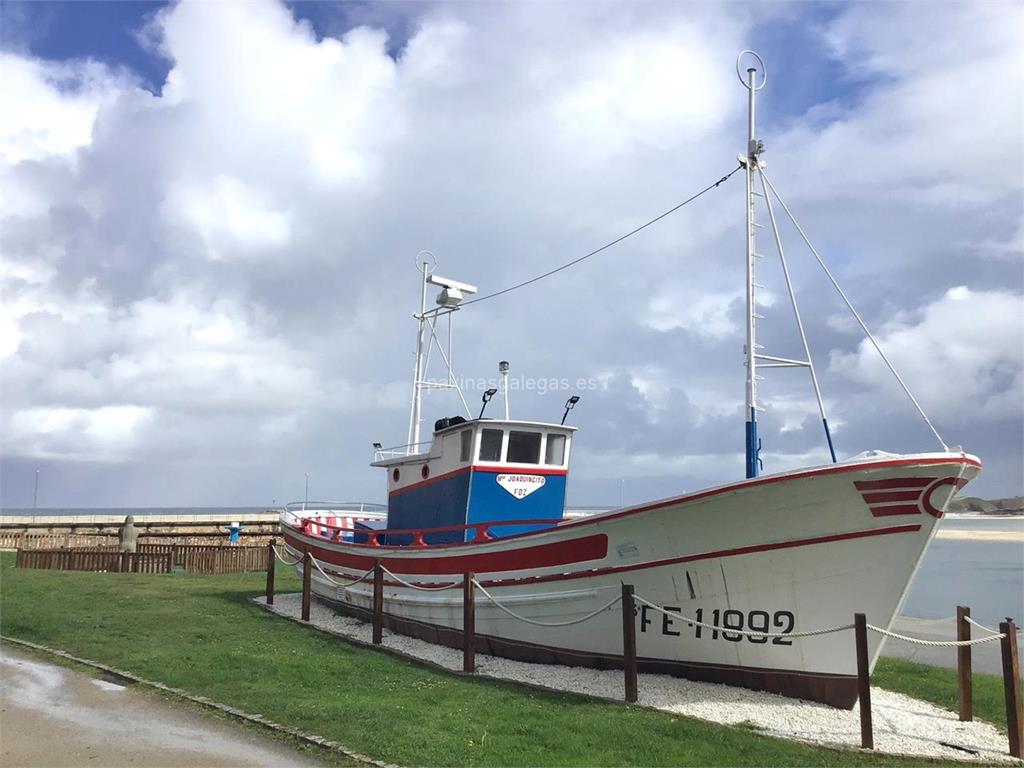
x=860, y=631
x=468, y=623
x=307, y=576
x=629, y=642
x=965, y=684
x=378, y=603
x=1011, y=687
x=271, y=562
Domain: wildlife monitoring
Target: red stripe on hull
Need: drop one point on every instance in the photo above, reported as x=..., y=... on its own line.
x=492, y=470
x=520, y=558
x=881, y=498
x=892, y=483
x=594, y=547
x=895, y=509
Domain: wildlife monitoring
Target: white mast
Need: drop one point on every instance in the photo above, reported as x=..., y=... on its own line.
x=503, y=370
x=754, y=166
x=424, y=259
x=750, y=164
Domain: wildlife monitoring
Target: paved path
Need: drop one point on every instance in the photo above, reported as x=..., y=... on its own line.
x=54, y=716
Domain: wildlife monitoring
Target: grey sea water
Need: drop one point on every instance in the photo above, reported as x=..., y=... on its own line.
x=986, y=575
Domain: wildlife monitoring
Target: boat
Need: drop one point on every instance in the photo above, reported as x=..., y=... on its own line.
x=331, y=519
x=732, y=578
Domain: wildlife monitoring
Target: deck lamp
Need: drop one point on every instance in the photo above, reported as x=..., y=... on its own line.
x=569, y=405
x=486, y=399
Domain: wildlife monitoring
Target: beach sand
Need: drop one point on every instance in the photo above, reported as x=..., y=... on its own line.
x=54, y=716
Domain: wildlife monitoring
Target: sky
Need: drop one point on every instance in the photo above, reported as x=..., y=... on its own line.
x=210, y=214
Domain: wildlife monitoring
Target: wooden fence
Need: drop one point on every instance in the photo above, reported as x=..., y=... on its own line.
x=149, y=558
x=94, y=559
x=65, y=540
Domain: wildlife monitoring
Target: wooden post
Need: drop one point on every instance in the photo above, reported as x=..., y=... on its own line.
x=307, y=576
x=963, y=664
x=468, y=623
x=271, y=562
x=1011, y=687
x=860, y=631
x=629, y=642
x=378, y=603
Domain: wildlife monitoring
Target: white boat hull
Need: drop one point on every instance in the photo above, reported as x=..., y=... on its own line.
x=785, y=553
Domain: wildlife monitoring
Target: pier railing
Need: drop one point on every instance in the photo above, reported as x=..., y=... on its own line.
x=1007, y=636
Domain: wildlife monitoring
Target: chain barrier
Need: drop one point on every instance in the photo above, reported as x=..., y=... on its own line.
x=935, y=643
x=568, y=623
x=747, y=633
x=405, y=583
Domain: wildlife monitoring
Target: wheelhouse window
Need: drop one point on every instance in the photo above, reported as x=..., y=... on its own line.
x=523, y=447
x=466, y=444
x=490, y=445
x=554, y=453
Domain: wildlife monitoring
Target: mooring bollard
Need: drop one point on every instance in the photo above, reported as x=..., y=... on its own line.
x=860, y=631
x=965, y=684
x=468, y=623
x=271, y=563
x=1011, y=687
x=307, y=579
x=378, y=602
x=629, y=642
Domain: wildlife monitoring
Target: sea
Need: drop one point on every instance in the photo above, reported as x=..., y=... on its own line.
x=974, y=560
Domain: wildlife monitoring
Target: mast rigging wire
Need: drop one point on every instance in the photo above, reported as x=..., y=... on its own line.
x=856, y=315
x=604, y=247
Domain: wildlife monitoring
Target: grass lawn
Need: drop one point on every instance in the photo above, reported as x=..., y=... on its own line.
x=202, y=634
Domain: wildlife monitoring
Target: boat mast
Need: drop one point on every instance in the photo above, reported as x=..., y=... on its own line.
x=448, y=300
x=753, y=445
x=425, y=266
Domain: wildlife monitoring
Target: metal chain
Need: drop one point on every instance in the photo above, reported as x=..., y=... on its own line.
x=568, y=623
x=405, y=583
x=747, y=633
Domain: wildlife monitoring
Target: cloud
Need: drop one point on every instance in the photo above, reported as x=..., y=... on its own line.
x=108, y=433
x=962, y=355
x=227, y=263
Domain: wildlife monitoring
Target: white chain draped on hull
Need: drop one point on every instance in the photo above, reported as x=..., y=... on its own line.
x=783, y=554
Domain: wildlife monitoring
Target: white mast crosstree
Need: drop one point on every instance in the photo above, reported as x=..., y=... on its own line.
x=448, y=300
